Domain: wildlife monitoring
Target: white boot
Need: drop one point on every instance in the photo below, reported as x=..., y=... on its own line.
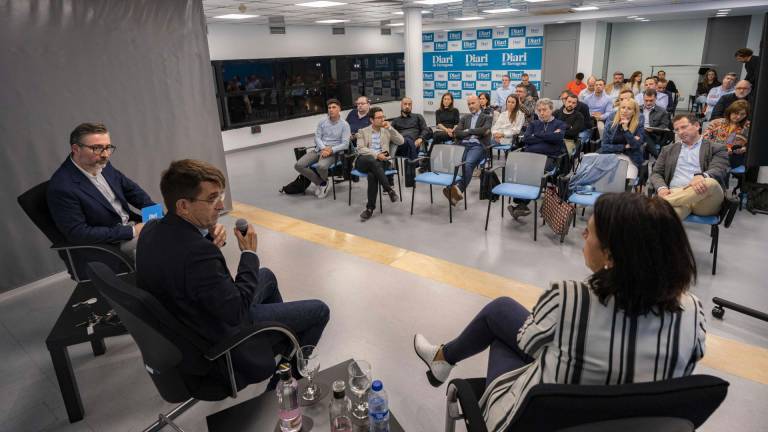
x=439, y=370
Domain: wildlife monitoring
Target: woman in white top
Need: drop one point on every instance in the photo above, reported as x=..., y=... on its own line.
x=632, y=320
x=509, y=123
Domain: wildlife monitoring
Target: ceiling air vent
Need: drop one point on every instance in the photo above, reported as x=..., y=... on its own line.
x=276, y=25
x=338, y=30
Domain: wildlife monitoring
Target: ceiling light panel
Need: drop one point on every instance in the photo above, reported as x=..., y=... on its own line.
x=320, y=4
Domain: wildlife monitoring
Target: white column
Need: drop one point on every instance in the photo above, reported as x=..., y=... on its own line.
x=414, y=84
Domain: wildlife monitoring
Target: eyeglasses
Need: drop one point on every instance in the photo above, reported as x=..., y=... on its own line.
x=99, y=149
x=742, y=88
x=212, y=201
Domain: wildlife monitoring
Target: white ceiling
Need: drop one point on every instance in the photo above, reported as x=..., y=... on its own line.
x=373, y=12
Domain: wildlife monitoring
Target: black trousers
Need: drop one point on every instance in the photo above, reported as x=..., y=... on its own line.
x=375, y=170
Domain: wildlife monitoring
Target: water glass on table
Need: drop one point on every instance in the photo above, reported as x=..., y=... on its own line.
x=309, y=365
x=359, y=382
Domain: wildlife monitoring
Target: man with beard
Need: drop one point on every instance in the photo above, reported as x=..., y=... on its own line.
x=413, y=128
x=89, y=200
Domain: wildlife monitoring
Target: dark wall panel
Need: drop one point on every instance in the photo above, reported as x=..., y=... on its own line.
x=140, y=66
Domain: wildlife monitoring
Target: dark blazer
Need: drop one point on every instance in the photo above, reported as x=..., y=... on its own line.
x=82, y=213
x=188, y=275
x=724, y=102
x=482, y=128
x=713, y=158
x=589, y=121
x=635, y=141
x=658, y=118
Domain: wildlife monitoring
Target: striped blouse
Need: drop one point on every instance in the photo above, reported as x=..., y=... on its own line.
x=575, y=339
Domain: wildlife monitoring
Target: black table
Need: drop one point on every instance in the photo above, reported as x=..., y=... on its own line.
x=66, y=333
x=260, y=413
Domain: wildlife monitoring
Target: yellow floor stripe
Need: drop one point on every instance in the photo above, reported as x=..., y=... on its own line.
x=730, y=356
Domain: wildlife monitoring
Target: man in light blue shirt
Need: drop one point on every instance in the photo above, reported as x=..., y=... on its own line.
x=331, y=137
x=691, y=173
x=727, y=87
x=662, y=100
x=599, y=104
x=500, y=95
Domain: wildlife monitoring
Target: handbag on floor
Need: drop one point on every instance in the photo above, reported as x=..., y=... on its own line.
x=557, y=214
x=488, y=181
x=298, y=186
x=410, y=174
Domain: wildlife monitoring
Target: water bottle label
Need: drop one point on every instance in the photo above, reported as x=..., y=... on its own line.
x=379, y=415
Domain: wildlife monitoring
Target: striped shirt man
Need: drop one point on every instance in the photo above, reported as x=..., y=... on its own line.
x=575, y=339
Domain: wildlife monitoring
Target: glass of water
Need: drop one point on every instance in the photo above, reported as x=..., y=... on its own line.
x=359, y=382
x=309, y=365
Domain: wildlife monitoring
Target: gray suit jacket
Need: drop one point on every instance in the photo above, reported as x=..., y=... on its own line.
x=713, y=159
x=390, y=139
x=482, y=128
x=658, y=118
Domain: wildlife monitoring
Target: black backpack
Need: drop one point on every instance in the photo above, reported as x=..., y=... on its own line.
x=298, y=186
x=757, y=197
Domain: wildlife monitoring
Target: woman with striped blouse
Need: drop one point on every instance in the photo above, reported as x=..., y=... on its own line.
x=632, y=320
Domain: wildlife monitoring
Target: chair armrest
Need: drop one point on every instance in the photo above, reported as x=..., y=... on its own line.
x=234, y=341
x=463, y=391
x=103, y=247
x=413, y=161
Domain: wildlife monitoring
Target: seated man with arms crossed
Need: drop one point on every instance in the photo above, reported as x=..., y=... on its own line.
x=474, y=133
x=373, y=144
x=653, y=117
x=690, y=174
x=89, y=200
x=572, y=118
x=188, y=274
x=331, y=137
x=544, y=136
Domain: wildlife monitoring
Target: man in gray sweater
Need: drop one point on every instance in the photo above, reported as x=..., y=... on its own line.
x=331, y=137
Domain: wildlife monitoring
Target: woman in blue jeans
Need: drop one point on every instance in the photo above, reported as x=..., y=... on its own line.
x=632, y=320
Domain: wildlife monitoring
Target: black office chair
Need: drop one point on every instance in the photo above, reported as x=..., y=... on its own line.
x=34, y=202
x=183, y=366
x=680, y=404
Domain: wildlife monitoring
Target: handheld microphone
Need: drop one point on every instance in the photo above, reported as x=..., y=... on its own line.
x=242, y=226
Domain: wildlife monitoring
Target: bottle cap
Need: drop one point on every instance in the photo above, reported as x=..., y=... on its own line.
x=377, y=385
x=285, y=371
x=338, y=389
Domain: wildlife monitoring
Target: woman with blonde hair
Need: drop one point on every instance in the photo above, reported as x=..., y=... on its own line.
x=625, y=134
x=636, y=82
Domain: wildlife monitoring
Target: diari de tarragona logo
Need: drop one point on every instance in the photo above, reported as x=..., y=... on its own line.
x=476, y=60
x=442, y=61
x=510, y=59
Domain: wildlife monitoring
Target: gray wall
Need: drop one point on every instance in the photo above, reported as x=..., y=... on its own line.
x=140, y=66
x=724, y=37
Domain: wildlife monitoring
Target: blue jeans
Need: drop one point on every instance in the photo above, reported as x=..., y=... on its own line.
x=495, y=326
x=473, y=154
x=307, y=318
x=585, y=135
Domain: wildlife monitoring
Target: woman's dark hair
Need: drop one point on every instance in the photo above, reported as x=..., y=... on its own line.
x=653, y=264
x=707, y=73
x=486, y=96
x=450, y=106
x=735, y=107
x=513, y=113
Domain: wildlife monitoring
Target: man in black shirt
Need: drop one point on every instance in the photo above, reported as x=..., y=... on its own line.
x=742, y=91
x=413, y=128
x=751, y=64
x=574, y=119
x=583, y=109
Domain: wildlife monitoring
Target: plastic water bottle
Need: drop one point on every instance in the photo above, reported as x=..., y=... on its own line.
x=288, y=400
x=378, y=408
x=340, y=409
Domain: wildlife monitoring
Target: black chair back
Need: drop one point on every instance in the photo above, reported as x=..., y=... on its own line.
x=172, y=354
x=694, y=398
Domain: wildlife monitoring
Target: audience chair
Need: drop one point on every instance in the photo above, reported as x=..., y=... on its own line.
x=183, y=367
x=676, y=405
x=506, y=148
x=445, y=163
x=522, y=179
x=34, y=202
x=608, y=183
x=727, y=212
x=389, y=172
x=739, y=173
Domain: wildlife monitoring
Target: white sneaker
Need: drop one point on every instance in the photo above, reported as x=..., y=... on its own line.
x=439, y=370
x=322, y=191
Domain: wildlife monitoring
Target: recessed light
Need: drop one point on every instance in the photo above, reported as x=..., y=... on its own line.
x=436, y=2
x=560, y=22
x=331, y=21
x=396, y=24
x=639, y=18
x=500, y=26
x=320, y=4
x=504, y=10
x=631, y=17
x=585, y=8
x=723, y=10
x=536, y=1
x=424, y=12
x=235, y=16
x=469, y=18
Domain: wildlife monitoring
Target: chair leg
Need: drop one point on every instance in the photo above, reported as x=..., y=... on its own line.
x=381, y=204
x=535, y=219
x=167, y=419
x=715, y=241
x=333, y=186
x=488, y=213
x=466, y=196
x=712, y=238
x=575, y=208
x=431, y=200
x=413, y=194
x=349, y=200
x=399, y=189
x=450, y=211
